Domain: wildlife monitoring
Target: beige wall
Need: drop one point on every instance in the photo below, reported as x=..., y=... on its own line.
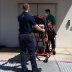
x=9, y=24
x=0, y=21
x=9, y=31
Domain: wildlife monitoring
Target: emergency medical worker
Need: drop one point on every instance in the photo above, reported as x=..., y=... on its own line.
x=50, y=23
x=26, y=38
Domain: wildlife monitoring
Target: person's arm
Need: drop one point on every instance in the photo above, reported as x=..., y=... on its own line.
x=34, y=25
x=54, y=20
x=38, y=28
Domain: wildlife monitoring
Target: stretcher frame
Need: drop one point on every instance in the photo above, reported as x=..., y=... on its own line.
x=41, y=38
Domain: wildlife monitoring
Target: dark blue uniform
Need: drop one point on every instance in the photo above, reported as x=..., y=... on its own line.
x=26, y=39
x=25, y=23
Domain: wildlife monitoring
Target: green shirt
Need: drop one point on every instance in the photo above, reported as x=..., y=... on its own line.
x=50, y=18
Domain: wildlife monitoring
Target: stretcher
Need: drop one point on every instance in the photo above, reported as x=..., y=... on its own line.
x=41, y=40
x=41, y=47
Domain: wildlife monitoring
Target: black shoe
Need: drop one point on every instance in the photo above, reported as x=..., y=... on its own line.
x=37, y=70
x=24, y=70
x=54, y=52
x=27, y=71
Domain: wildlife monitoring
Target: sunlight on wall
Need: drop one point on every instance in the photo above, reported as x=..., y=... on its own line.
x=64, y=34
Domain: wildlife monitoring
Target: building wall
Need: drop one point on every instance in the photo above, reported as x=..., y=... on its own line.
x=0, y=21
x=9, y=24
x=9, y=31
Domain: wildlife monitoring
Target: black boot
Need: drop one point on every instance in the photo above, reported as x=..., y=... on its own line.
x=37, y=70
x=24, y=70
x=54, y=52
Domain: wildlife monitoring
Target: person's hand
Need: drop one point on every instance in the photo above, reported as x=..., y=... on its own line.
x=43, y=30
x=50, y=25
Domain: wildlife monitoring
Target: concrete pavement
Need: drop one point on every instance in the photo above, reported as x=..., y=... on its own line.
x=61, y=62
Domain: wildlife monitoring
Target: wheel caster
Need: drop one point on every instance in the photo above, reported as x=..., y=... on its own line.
x=46, y=60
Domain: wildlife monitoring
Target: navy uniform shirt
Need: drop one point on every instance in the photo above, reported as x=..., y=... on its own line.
x=26, y=22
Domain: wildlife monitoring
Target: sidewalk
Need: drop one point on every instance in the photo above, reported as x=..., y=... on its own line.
x=61, y=62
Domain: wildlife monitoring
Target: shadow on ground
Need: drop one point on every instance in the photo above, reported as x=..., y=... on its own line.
x=5, y=49
x=12, y=64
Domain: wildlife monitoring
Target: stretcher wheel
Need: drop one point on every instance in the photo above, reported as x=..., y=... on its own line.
x=46, y=60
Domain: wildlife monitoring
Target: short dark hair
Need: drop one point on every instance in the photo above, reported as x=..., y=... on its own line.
x=47, y=10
